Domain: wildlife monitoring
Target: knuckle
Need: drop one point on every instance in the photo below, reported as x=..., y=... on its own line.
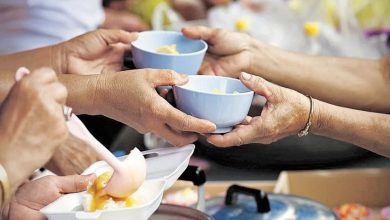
x=62, y=91
x=47, y=71
x=240, y=141
x=170, y=75
x=185, y=123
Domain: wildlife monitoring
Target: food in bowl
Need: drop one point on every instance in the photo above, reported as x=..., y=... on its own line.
x=188, y=61
x=95, y=198
x=220, y=91
x=223, y=107
x=168, y=49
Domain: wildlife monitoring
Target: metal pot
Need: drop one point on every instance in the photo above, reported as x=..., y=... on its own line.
x=242, y=203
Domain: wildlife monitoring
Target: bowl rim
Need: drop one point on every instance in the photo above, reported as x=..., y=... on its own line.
x=203, y=50
x=250, y=92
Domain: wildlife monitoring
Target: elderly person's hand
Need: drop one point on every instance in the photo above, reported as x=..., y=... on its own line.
x=32, y=124
x=34, y=195
x=229, y=53
x=285, y=113
x=96, y=52
x=131, y=97
x=72, y=157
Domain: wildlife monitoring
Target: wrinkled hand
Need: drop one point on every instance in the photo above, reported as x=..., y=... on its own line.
x=73, y=157
x=32, y=124
x=229, y=53
x=122, y=19
x=95, y=52
x=285, y=113
x=131, y=97
x=34, y=195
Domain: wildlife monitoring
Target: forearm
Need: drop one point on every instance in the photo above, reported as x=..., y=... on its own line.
x=354, y=83
x=365, y=129
x=82, y=92
x=32, y=59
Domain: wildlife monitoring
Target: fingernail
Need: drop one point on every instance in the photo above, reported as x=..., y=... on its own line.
x=246, y=76
x=210, y=142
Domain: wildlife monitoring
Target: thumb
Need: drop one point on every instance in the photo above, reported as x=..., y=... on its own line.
x=116, y=36
x=74, y=183
x=200, y=32
x=259, y=85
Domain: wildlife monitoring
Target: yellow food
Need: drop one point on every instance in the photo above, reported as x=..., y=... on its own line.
x=167, y=49
x=222, y=92
x=218, y=91
x=100, y=200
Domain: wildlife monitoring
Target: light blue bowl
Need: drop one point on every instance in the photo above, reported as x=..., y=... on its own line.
x=188, y=61
x=196, y=98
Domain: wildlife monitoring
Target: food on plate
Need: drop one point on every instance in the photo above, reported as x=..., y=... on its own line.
x=96, y=199
x=129, y=179
x=222, y=92
x=167, y=49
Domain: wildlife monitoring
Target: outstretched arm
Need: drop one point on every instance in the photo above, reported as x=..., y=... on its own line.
x=355, y=83
x=287, y=111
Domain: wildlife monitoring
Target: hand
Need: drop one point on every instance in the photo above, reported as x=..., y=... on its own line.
x=33, y=196
x=96, y=52
x=122, y=19
x=229, y=53
x=189, y=9
x=285, y=113
x=131, y=97
x=73, y=157
x=32, y=124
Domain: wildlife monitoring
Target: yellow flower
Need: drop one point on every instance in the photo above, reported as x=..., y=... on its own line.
x=311, y=29
x=242, y=24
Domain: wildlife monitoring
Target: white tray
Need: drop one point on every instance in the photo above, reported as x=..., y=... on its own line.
x=164, y=167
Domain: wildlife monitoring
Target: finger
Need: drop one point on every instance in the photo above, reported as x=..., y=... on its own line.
x=178, y=139
x=183, y=122
x=259, y=86
x=58, y=92
x=42, y=75
x=163, y=92
x=241, y=135
x=166, y=78
x=115, y=36
x=21, y=72
x=200, y=32
x=247, y=120
x=207, y=65
x=74, y=183
x=229, y=65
